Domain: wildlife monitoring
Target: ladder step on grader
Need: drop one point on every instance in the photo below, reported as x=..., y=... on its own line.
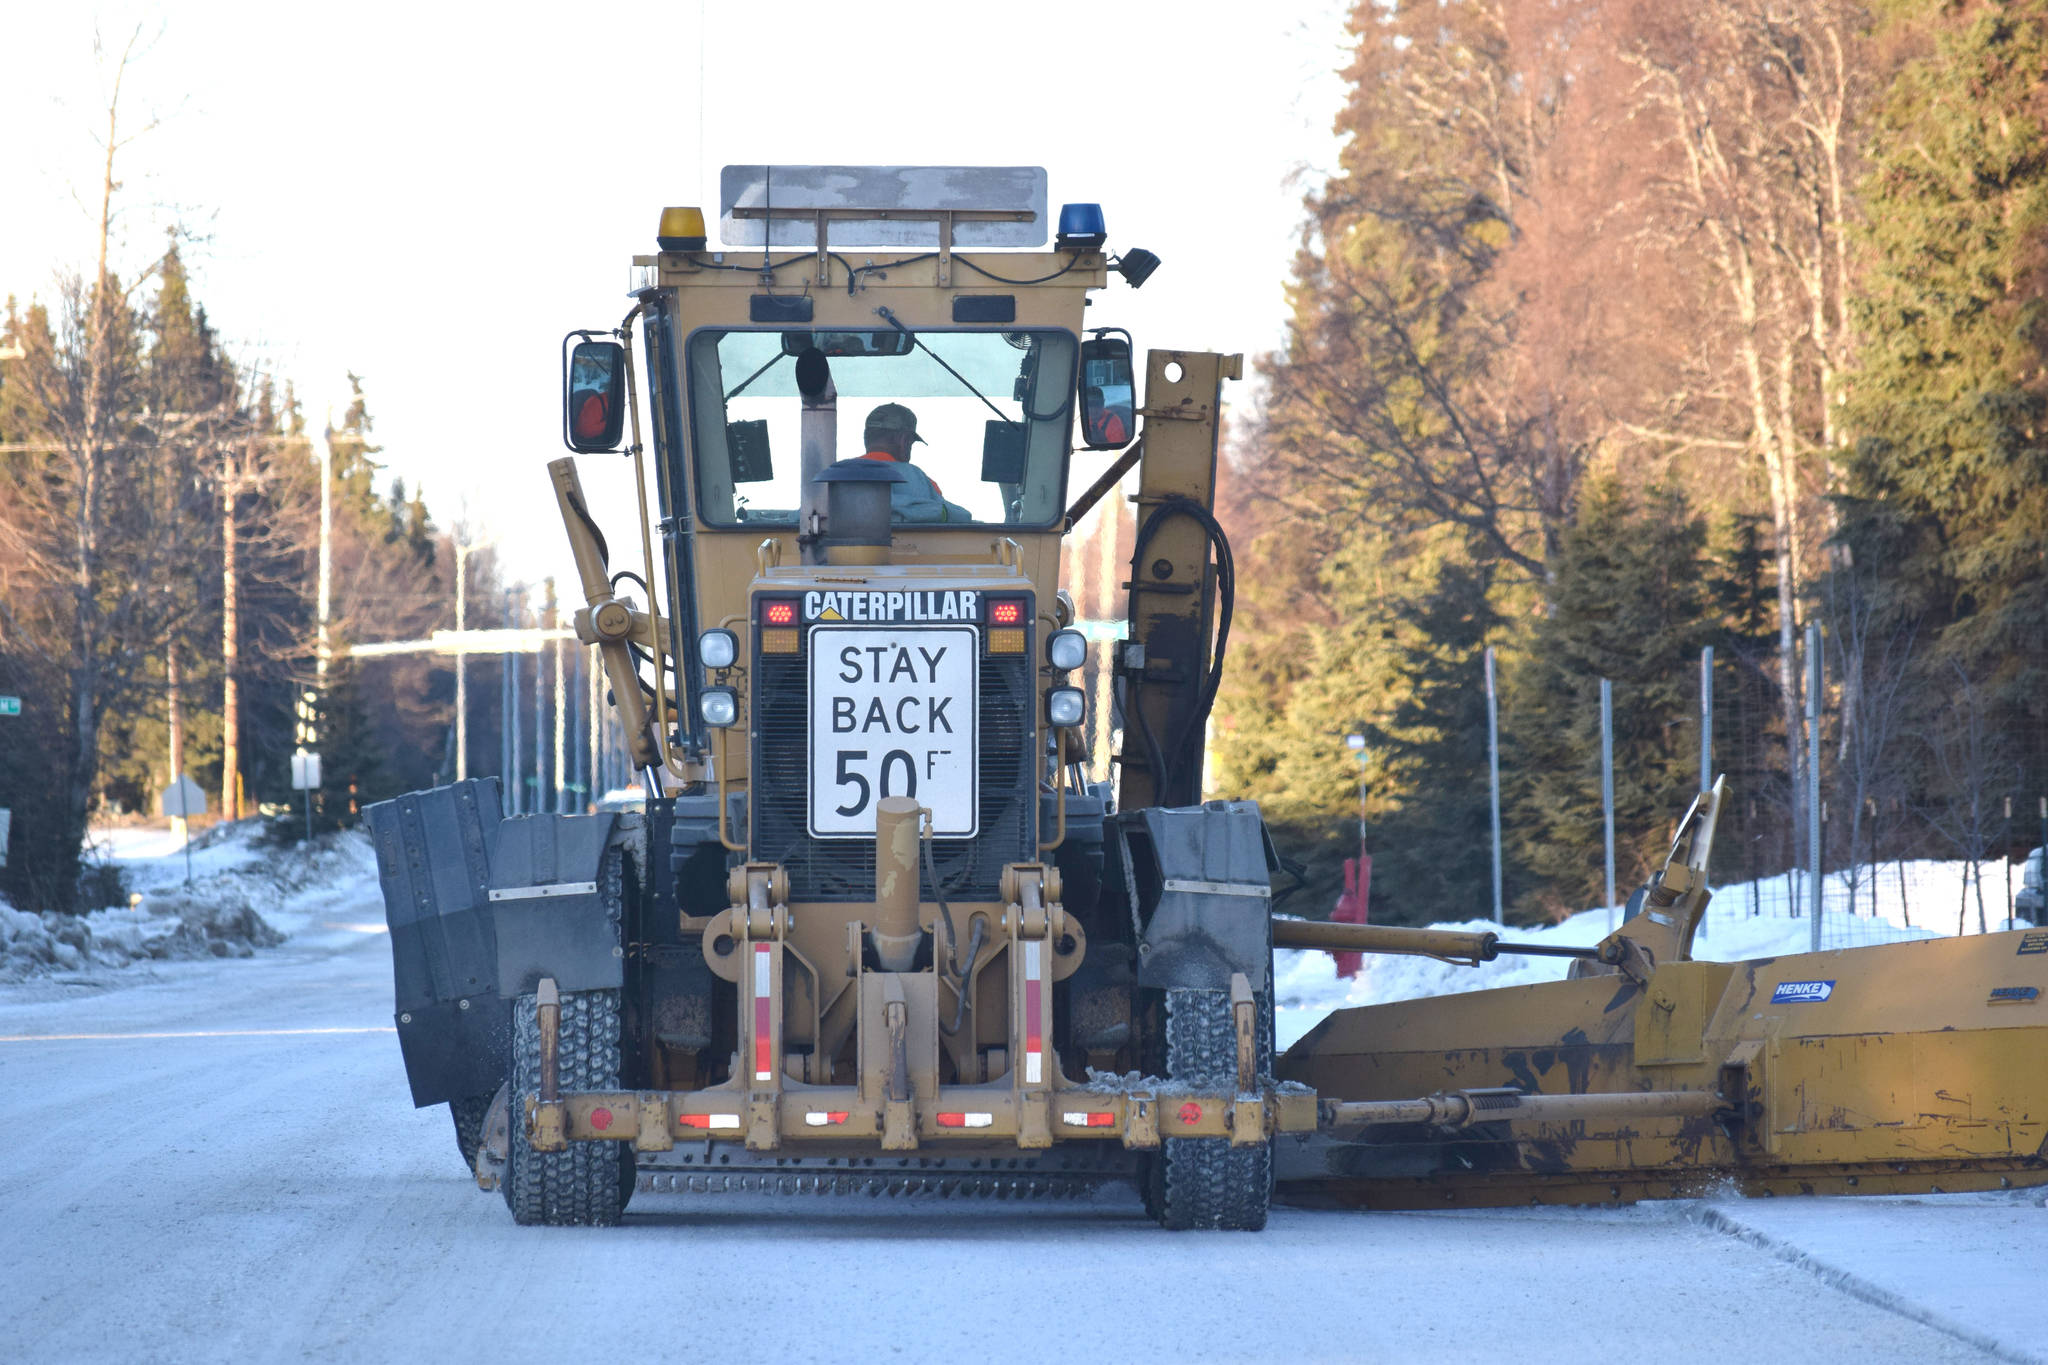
x=874, y=928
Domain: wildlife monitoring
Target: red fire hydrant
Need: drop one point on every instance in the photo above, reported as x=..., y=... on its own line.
x=1354, y=907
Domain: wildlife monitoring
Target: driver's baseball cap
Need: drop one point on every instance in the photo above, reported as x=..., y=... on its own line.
x=894, y=417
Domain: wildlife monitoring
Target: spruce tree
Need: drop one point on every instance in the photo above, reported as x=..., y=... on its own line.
x=1947, y=484
x=1629, y=604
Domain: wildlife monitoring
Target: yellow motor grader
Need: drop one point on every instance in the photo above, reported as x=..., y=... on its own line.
x=877, y=928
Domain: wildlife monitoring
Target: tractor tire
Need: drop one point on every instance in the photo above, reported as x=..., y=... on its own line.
x=469, y=1125
x=587, y=1185
x=1205, y=1183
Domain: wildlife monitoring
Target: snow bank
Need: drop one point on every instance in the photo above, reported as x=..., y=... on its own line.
x=1743, y=921
x=243, y=895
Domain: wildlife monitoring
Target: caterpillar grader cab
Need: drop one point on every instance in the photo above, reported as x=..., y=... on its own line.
x=879, y=929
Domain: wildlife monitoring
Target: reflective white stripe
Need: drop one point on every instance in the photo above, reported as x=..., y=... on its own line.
x=1202, y=888
x=761, y=955
x=1075, y=1120
x=977, y=1120
x=817, y=1118
x=521, y=893
x=1034, y=1069
x=725, y=1120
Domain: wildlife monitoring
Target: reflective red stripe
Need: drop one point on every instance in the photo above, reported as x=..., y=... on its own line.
x=708, y=1120
x=1034, y=1036
x=764, y=1064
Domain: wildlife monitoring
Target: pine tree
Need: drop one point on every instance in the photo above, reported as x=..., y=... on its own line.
x=1630, y=605
x=1947, y=487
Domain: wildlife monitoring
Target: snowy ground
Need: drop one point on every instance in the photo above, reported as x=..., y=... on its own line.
x=235, y=894
x=217, y=1160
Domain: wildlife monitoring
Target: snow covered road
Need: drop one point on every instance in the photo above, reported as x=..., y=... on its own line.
x=221, y=1163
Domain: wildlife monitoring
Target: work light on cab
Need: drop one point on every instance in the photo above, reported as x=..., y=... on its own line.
x=1065, y=707
x=718, y=649
x=719, y=707
x=1066, y=650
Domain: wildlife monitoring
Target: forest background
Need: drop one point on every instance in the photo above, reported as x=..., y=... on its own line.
x=1619, y=329
x=159, y=540
x=1624, y=329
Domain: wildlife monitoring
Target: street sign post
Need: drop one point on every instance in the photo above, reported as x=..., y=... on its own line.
x=181, y=800
x=305, y=777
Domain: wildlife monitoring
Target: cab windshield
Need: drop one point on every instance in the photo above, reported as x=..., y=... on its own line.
x=992, y=411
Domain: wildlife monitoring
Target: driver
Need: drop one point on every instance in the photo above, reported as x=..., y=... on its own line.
x=891, y=431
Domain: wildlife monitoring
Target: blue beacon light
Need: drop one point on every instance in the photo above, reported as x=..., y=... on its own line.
x=1081, y=228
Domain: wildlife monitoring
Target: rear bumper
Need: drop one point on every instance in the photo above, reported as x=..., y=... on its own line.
x=1137, y=1117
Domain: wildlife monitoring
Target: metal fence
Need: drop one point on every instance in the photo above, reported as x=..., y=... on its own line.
x=1906, y=801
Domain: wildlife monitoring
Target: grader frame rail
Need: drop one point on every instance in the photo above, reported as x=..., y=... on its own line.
x=876, y=929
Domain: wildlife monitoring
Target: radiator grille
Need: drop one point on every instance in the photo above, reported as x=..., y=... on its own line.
x=844, y=869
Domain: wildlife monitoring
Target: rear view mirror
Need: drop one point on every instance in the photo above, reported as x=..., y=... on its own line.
x=1108, y=395
x=747, y=442
x=594, y=396
x=891, y=342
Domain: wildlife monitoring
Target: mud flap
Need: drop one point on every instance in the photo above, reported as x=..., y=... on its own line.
x=480, y=908
x=1201, y=880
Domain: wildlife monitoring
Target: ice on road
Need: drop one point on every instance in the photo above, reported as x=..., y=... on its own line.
x=221, y=1162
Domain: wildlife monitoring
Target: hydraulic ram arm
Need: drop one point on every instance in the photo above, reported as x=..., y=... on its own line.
x=1168, y=668
x=1451, y=945
x=610, y=624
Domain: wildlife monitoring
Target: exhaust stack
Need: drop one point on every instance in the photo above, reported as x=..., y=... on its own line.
x=817, y=444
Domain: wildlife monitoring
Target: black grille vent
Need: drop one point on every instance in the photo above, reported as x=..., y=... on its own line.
x=844, y=869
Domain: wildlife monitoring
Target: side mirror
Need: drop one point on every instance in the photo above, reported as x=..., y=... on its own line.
x=594, y=396
x=1109, y=407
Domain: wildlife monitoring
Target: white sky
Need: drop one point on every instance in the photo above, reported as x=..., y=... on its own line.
x=431, y=195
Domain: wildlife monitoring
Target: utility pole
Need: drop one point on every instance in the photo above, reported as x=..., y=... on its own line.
x=540, y=706
x=232, y=480
x=1109, y=521
x=324, y=611
x=593, y=692
x=561, y=735
x=463, y=550
x=515, y=786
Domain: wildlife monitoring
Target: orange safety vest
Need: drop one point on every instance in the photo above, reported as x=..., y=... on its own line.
x=885, y=455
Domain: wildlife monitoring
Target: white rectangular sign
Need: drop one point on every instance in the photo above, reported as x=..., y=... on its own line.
x=305, y=771
x=893, y=714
